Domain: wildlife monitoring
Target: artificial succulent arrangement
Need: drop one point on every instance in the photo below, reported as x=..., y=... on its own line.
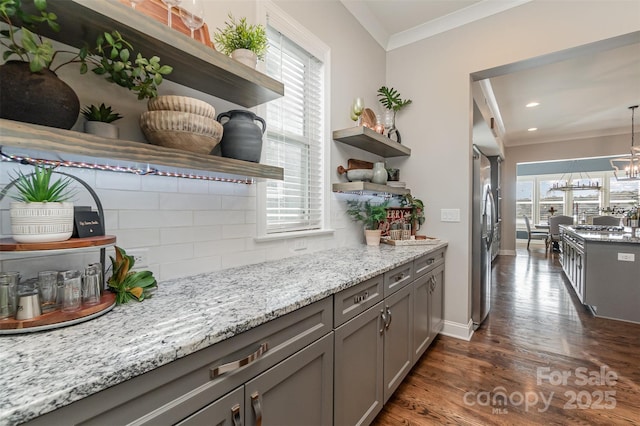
x=37, y=187
x=102, y=113
x=111, y=56
x=127, y=284
x=240, y=35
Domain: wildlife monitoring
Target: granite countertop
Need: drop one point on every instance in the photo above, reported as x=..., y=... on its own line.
x=42, y=371
x=604, y=236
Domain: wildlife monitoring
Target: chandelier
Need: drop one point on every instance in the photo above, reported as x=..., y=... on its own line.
x=628, y=168
x=581, y=183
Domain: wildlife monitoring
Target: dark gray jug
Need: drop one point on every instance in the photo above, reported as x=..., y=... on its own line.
x=241, y=137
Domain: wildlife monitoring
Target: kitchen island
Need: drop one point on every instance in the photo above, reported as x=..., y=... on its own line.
x=44, y=371
x=603, y=265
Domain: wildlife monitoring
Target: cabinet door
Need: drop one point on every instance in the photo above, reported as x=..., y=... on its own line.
x=398, y=339
x=421, y=315
x=436, y=305
x=358, y=368
x=298, y=391
x=227, y=411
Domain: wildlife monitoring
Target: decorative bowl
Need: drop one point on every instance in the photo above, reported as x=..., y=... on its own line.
x=184, y=141
x=357, y=175
x=179, y=121
x=183, y=104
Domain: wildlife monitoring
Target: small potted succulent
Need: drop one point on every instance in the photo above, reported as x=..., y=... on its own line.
x=127, y=284
x=99, y=119
x=42, y=211
x=243, y=42
x=371, y=215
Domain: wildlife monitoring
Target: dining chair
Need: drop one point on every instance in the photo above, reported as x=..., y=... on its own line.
x=536, y=235
x=554, y=227
x=606, y=220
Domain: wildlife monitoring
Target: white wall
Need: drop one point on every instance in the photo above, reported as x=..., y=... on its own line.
x=193, y=226
x=435, y=73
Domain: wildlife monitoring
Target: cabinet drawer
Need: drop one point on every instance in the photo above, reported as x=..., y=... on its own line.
x=427, y=262
x=174, y=391
x=352, y=301
x=397, y=278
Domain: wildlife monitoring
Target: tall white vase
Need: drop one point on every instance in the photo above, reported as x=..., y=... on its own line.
x=379, y=174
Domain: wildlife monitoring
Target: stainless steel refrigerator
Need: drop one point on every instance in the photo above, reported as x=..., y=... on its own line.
x=484, y=214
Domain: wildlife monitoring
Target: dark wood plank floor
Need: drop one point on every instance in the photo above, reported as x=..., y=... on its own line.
x=555, y=363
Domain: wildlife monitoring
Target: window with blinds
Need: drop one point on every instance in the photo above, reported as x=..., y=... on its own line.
x=294, y=137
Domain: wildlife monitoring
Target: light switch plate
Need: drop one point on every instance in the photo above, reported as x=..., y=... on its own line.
x=450, y=215
x=627, y=257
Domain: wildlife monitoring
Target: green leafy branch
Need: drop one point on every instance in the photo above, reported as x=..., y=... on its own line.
x=390, y=98
x=129, y=285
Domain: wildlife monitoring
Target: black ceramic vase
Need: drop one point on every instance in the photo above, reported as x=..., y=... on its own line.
x=38, y=98
x=241, y=137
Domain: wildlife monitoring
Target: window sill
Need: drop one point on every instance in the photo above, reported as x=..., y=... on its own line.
x=291, y=235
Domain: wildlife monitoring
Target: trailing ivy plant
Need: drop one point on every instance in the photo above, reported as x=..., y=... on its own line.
x=111, y=55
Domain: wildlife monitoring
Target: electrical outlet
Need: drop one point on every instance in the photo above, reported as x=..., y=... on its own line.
x=626, y=257
x=140, y=257
x=299, y=244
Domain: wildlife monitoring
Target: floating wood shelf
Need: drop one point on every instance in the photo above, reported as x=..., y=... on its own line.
x=194, y=64
x=369, y=188
x=370, y=141
x=32, y=136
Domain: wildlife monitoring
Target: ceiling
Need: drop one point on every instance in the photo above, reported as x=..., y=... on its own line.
x=582, y=93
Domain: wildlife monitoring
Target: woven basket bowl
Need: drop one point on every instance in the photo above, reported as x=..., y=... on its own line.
x=182, y=104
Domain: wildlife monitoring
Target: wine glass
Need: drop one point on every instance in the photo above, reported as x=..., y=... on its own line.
x=170, y=4
x=134, y=3
x=192, y=14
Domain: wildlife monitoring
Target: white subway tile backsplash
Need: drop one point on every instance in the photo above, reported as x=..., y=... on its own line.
x=238, y=203
x=180, y=201
x=129, y=200
x=193, y=186
x=159, y=183
x=190, y=234
x=111, y=180
x=219, y=217
x=238, y=231
x=250, y=216
x=138, y=238
x=233, y=260
x=168, y=253
x=211, y=248
x=129, y=219
x=169, y=270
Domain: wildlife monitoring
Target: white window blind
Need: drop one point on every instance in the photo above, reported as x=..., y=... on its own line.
x=294, y=137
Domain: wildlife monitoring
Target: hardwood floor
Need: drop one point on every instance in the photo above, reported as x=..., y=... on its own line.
x=555, y=363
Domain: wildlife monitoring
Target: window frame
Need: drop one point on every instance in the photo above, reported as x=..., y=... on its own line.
x=285, y=24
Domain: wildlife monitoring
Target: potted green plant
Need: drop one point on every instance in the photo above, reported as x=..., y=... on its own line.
x=243, y=42
x=99, y=119
x=371, y=215
x=417, y=211
x=391, y=100
x=127, y=284
x=42, y=211
x=30, y=91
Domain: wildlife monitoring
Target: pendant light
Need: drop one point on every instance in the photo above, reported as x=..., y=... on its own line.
x=628, y=168
x=569, y=184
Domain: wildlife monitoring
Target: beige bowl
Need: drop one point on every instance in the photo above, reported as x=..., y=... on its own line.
x=179, y=121
x=181, y=103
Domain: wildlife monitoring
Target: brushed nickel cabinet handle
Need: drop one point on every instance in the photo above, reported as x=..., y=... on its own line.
x=430, y=261
x=389, y=318
x=235, y=415
x=383, y=316
x=400, y=277
x=234, y=365
x=361, y=297
x=257, y=408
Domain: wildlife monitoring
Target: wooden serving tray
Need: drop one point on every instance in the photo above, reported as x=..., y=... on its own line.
x=9, y=244
x=57, y=319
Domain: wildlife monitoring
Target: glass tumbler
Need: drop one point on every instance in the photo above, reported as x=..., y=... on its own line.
x=72, y=290
x=406, y=231
x=48, y=287
x=92, y=284
x=8, y=293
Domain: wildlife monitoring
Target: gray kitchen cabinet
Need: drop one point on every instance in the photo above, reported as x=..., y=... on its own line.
x=298, y=391
x=227, y=411
x=358, y=367
x=428, y=300
x=398, y=338
x=436, y=302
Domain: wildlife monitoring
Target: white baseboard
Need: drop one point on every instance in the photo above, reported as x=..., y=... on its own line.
x=458, y=330
x=507, y=252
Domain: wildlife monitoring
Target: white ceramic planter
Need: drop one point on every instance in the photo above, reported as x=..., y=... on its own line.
x=41, y=222
x=245, y=56
x=99, y=128
x=372, y=237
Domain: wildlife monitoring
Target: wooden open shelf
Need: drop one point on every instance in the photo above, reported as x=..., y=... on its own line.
x=9, y=244
x=33, y=136
x=371, y=141
x=369, y=188
x=57, y=319
x=194, y=64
